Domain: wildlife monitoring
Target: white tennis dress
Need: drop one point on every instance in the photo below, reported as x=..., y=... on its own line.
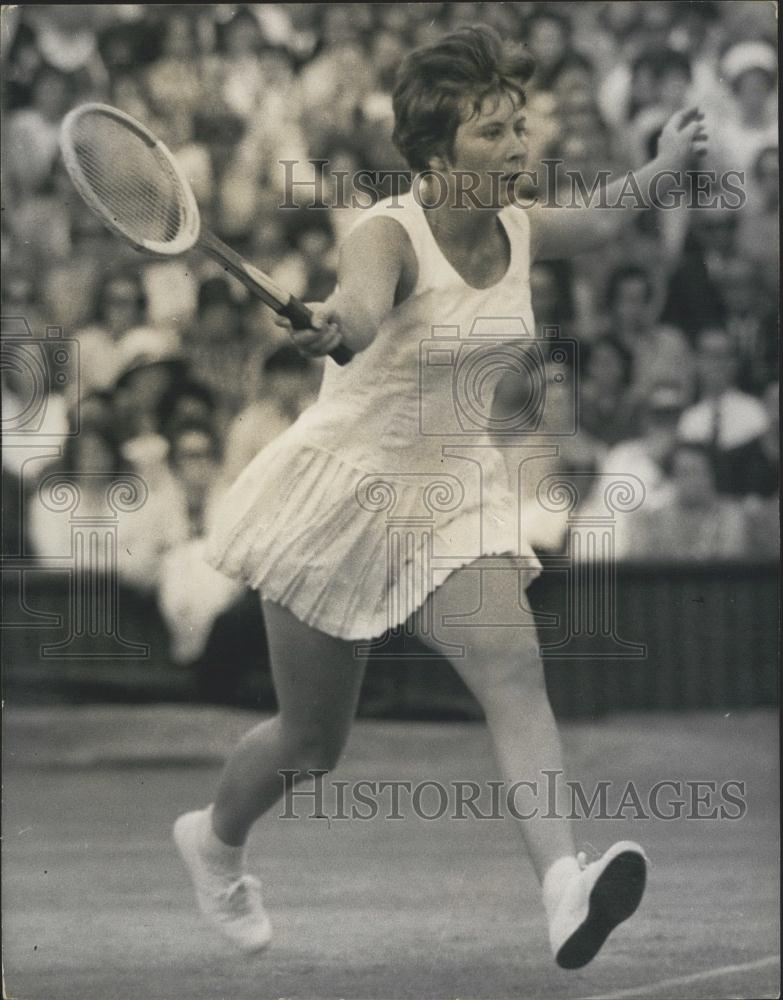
x=358, y=511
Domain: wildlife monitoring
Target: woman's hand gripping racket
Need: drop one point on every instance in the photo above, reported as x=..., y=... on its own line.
x=136, y=187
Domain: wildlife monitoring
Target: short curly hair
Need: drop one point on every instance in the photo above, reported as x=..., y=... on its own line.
x=434, y=81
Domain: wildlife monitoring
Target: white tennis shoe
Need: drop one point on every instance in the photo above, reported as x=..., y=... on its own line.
x=230, y=901
x=594, y=901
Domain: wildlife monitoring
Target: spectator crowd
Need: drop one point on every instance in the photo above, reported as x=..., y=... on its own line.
x=180, y=377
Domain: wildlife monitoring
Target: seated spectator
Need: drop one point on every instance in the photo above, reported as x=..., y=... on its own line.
x=759, y=229
x=698, y=524
x=725, y=419
x=751, y=319
x=121, y=305
x=34, y=131
x=290, y=384
x=41, y=218
x=648, y=457
x=749, y=122
x=694, y=294
x=316, y=248
x=195, y=462
x=659, y=351
x=551, y=283
x=173, y=78
x=604, y=409
x=221, y=354
x=762, y=468
x=548, y=36
x=240, y=41
x=150, y=364
x=671, y=81
x=186, y=402
x=191, y=594
x=35, y=407
x=90, y=467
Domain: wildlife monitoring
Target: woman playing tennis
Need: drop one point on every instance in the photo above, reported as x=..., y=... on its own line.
x=303, y=524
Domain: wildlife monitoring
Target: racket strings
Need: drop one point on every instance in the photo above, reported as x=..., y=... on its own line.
x=136, y=187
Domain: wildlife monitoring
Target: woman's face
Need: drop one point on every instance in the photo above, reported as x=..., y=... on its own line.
x=491, y=142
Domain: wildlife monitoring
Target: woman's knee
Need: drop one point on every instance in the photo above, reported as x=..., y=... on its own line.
x=315, y=749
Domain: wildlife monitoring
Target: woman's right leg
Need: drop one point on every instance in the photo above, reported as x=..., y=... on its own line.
x=317, y=680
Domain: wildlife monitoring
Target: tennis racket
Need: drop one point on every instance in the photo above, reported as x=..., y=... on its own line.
x=132, y=182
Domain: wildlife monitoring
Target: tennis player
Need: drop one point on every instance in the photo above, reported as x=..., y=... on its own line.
x=301, y=525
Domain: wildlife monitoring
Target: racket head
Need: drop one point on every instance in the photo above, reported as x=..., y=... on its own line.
x=128, y=177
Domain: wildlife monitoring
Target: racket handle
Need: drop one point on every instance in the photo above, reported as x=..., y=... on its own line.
x=301, y=317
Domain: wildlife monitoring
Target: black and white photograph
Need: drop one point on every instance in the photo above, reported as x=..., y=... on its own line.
x=390, y=501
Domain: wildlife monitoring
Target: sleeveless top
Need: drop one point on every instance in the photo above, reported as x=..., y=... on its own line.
x=391, y=479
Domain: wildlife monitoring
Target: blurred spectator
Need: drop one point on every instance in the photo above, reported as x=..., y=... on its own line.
x=34, y=131
x=121, y=304
x=35, y=407
x=191, y=594
x=552, y=294
x=749, y=122
x=91, y=465
x=669, y=77
x=659, y=352
x=726, y=420
x=316, y=247
x=751, y=320
x=289, y=386
x=173, y=78
x=221, y=353
x=150, y=363
x=698, y=524
x=694, y=294
x=604, y=406
x=648, y=457
x=759, y=228
x=20, y=298
x=335, y=82
x=243, y=81
x=195, y=461
x=763, y=459
x=186, y=402
x=548, y=36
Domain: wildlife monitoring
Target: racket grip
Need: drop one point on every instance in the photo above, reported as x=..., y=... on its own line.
x=301, y=317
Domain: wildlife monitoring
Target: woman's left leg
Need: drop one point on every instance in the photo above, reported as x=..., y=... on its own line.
x=502, y=668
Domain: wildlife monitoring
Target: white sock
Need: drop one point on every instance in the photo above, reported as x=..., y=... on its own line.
x=224, y=856
x=557, y=877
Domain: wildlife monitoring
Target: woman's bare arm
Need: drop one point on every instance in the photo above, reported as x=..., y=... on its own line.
x=371, y=263
x=565, y=232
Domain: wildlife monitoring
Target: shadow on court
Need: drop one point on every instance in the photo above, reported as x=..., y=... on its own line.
x=97, y=906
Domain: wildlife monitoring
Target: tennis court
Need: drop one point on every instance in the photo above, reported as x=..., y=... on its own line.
x=97, y=906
